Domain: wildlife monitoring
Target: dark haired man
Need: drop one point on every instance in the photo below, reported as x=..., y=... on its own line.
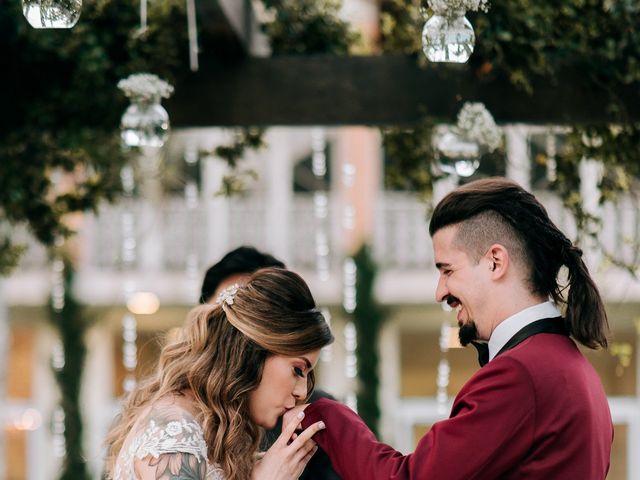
x=235, y=267
x=536, y=410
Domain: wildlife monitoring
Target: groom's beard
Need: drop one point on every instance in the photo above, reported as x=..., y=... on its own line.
x=468, y=333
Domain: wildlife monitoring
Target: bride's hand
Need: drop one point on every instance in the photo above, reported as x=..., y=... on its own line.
x=288, y=456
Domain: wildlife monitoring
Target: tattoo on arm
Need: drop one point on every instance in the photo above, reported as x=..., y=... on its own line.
x=178, y=466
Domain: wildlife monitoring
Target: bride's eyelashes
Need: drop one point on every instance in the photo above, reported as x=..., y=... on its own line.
x=298, y=371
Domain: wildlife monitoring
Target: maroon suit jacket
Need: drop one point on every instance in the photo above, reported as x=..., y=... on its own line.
x=537, y=411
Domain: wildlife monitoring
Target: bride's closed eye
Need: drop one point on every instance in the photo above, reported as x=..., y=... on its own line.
x=298, y=371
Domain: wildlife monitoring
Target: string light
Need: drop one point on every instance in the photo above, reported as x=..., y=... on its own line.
x=58, y=429
x=57, y=287
x=320, y=202
x=349, y=274
x=326, y=354
x=349, y=271
x=351, y=362
x=321, y=218
x=128, y=260
x=192, y=201
x=551, y=148
x=129, y=351
x=349, y=211
x=444, y=370
x=57, y=355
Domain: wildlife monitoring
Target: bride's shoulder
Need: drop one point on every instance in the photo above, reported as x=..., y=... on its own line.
x=167, y=437
x=169, y=426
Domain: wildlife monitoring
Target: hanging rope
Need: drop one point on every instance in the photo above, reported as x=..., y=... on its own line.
x=192, y=29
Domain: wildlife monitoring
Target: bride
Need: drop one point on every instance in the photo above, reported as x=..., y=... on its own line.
x=233, y=370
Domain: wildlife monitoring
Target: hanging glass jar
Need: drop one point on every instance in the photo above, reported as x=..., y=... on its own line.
x=456, y=154
x=51, y=13
x=448, y=36
x=145, y=124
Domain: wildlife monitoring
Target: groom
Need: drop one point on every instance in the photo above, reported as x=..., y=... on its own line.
x=537, y=409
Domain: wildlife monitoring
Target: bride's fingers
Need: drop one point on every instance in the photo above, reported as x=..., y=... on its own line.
x=307, y=434
x=305, y=450
x=302, y=462
x=289, y=430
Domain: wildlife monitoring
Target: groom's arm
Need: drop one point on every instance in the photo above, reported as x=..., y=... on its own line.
x=490, y=430
x=353, y=449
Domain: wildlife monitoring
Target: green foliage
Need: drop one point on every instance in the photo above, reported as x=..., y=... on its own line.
x=618, y=147
x=522, y=41
x=368, y=318
x=409, y=156
x=72, y=324
x=62, y=107
x=400, y=26
x=9, y=255
x=307, y=27
x=237, y=180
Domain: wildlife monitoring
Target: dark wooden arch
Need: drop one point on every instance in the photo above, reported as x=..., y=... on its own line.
x=233, y=89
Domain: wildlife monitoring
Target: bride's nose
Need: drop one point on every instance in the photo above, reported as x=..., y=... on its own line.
x=300, y=390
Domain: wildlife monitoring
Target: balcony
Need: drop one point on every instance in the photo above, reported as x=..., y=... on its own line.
x=175, y=243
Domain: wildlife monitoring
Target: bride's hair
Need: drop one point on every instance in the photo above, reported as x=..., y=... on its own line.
x=219, y=356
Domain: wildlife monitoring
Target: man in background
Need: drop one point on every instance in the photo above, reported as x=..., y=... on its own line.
x=236, y=267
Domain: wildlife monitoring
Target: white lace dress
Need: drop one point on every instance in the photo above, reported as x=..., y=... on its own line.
x=170, y=442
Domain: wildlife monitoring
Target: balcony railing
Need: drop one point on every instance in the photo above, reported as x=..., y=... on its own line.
x=170, y=237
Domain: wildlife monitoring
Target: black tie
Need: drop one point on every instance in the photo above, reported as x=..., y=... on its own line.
x=483, y=352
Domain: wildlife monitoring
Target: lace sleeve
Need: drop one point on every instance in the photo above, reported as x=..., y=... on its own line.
x=170, y=445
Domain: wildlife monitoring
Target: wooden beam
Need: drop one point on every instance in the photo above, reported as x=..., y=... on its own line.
x=381, y=90
x=218, y=38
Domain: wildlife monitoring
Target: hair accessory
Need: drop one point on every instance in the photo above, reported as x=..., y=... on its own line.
x=228, y=294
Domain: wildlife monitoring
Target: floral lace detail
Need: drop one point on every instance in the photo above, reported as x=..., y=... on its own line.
x=182, y=434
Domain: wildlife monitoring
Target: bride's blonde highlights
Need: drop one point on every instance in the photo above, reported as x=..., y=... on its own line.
x=219, y=355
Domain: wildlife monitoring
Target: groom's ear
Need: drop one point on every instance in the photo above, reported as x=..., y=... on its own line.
x=497, y=260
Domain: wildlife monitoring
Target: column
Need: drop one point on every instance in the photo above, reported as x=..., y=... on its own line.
x=590, y=174
x=389, y=381
x=216, y=209
x=40, y=460
x=97, y=396
x=359, y=147
x=518, y=162
x=4, y=361
x=149, y=219
x=279, y=193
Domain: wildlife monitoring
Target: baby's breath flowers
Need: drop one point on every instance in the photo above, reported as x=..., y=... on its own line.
x=145, y=87
x=477, y=124
x=444, y=7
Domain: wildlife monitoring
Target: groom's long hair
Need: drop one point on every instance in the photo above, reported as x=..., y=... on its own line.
x=219, y=356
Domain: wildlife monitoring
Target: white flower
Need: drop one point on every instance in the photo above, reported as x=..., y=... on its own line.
x=477, y=124
x=174, y=428
x=145, y=87
x=444, y=7
x=227, y=295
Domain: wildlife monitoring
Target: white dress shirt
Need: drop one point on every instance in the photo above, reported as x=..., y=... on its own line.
x=512, y=325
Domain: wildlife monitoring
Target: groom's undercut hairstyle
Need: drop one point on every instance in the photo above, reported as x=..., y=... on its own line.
x=524, y=222
x=476, y=234
x=242, y=260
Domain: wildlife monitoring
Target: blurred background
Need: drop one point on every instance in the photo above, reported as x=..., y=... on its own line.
x=321, y=132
